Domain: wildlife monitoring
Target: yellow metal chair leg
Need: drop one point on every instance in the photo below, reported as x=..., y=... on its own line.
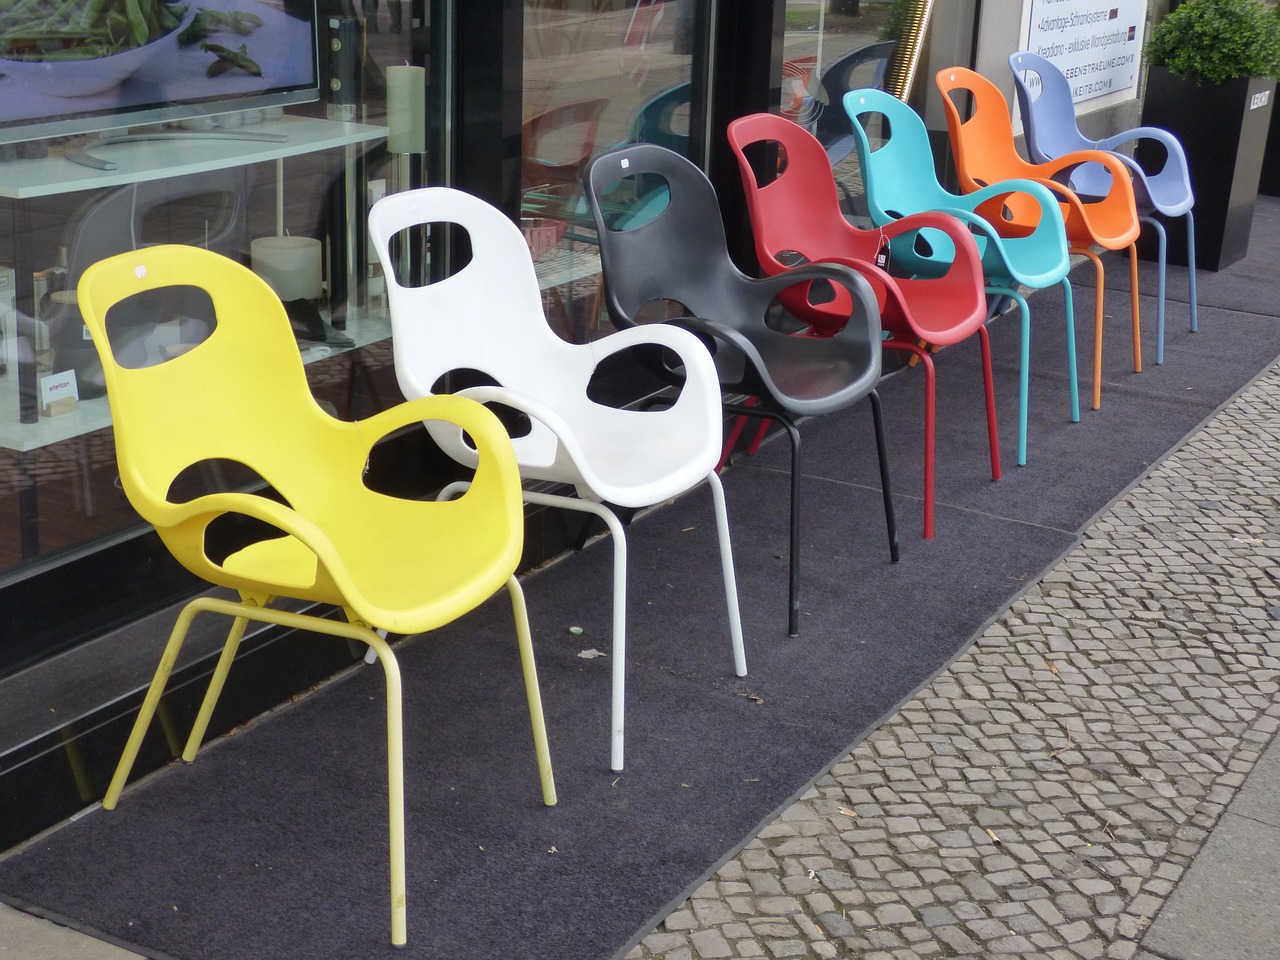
x=149, y=704
x=525, y=639
x=216, y=683
x=395, y=784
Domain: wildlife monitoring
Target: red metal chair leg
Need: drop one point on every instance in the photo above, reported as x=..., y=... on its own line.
x=993, y=438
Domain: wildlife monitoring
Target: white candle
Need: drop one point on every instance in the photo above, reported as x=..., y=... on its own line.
x=406, y=109
x=291, y=265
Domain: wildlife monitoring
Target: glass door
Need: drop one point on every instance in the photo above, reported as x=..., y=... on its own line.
x=834, y=46
x=596, y=73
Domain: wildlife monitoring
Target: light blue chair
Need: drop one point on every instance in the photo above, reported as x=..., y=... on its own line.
x=900, y=179
x=1049, y=121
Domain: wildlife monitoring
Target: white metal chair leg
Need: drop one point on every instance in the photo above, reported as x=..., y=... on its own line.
x=730, y=578
x=617, y=708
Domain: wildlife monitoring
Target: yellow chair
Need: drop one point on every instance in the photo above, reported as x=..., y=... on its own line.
x=241, y=395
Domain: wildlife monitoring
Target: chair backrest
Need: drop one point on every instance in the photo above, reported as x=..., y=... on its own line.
x=239, y=395
x=791, y=194
x=485, y=317
x=557, y=142
x=898, y=173
x=861, y=68
x=664, y=120
x=1049, y=120
x=1047, y=109
x=982, y=141
x=678, y=252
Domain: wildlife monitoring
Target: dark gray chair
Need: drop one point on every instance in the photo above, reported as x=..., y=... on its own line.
x=676, y=252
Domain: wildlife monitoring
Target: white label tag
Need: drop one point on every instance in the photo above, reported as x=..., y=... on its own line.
x=58, y=390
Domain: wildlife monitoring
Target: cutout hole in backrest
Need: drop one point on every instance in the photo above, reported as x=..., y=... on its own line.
x=517, y=424
x=633, y=201
x=643, y=370
x=409, y=248
x=877, y=127
x=767, y=159
x=154, y=326
x=232, y=531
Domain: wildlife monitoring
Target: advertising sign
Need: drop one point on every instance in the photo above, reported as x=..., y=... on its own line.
x=1097, y=44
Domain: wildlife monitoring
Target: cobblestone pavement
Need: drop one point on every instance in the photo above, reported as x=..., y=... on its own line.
x=1043, y=796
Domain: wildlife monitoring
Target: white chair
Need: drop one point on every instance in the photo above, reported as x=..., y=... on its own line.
x=488, y=318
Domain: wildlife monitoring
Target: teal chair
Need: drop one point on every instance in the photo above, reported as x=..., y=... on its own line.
x=900, y=179
x=1049, y=121
x=664, y=120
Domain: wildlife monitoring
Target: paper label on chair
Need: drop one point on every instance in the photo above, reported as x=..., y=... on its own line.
x=58, y=393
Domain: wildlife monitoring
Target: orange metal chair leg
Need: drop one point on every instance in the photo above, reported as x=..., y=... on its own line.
x=1100, y=294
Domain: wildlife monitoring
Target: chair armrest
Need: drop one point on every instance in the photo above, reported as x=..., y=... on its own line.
x=1041, y=255
x=1171, y=183
x=1121, y=181
x=1160, y=135
x=471, y=417
x=997, y=193
x=850, y=277
x=967, y=262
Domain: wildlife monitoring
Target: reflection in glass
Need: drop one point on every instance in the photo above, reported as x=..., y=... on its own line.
x=834, y=46
x=596, y=74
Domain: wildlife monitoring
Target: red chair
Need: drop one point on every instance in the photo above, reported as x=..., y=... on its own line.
x=796, y=217
x=983, y=146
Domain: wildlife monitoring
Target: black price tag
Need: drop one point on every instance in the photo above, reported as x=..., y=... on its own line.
x=882, y=255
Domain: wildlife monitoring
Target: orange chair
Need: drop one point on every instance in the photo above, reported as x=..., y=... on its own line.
x=984, y=151
x=797, y=211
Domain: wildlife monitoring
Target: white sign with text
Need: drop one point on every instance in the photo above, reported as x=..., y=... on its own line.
x=1097, y=44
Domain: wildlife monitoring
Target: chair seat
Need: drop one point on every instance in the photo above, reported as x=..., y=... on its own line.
x=816, y=378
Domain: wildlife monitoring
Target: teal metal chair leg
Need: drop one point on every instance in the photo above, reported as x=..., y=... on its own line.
x=1069, y=304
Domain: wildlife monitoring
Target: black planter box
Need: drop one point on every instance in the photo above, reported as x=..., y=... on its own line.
x=1223, y=129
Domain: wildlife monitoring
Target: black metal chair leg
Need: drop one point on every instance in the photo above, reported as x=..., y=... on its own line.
x=793, y=598
x=882, y=450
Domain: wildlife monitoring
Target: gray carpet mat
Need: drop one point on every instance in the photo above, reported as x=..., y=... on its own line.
x=273, y=843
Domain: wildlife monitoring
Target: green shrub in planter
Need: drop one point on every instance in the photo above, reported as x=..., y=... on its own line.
x=1210, y=83
x=1213, y=41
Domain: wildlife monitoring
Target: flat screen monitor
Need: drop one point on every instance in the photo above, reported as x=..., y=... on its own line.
x=247, y=54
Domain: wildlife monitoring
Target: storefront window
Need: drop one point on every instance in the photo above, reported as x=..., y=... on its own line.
x=596, y=73
x=833, y=46
x=255, y=128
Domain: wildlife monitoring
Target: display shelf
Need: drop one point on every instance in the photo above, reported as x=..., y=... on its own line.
x=143, y=159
